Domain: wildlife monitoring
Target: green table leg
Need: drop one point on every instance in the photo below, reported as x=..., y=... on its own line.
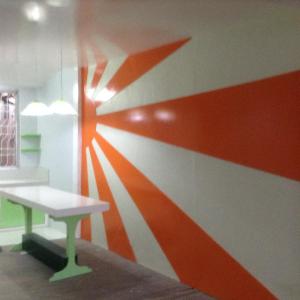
x=28, y=227
x=0, y=216
x=72, y=269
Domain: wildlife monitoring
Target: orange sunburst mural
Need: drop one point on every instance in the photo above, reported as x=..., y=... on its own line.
x=193, y=256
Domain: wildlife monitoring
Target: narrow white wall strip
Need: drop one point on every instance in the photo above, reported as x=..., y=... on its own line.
x=91, y=72
x=146, y=248
x=98, y=229
x=110, y=70
x=92, y=64
x=229, y=213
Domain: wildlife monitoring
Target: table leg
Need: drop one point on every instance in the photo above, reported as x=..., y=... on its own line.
x=28, y=219
x=0, y=215
x=28, y=227
x=72, y=269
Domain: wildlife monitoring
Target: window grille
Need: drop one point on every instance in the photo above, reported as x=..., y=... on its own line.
x=8, y=130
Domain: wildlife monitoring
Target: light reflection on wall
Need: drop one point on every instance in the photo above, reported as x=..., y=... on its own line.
x=90, y=93
x=137, y=116
x=102, y=96
x=34, y=11
x=165, y=115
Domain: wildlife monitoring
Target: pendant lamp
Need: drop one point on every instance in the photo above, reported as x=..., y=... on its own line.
x=36, y=108
x=60, y=106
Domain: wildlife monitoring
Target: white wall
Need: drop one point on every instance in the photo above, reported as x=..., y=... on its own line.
x=253, y=215
x=59, y=140
x=27, y=125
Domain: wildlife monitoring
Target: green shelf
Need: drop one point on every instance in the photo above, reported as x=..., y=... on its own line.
x=30, y=135
x=31, y=142
x=31, y=150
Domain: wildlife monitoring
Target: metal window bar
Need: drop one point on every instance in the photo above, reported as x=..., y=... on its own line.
x=8, y=129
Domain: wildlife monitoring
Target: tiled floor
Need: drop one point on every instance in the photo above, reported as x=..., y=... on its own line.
x=14, y=236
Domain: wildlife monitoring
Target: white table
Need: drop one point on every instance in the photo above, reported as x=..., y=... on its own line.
x=34, y=179
x=61, y=206
x=23, y=177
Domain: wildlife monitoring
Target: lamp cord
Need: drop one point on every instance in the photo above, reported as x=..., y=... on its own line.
x=61, y=75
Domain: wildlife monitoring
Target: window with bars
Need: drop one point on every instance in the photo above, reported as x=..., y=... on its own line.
x=8, y=129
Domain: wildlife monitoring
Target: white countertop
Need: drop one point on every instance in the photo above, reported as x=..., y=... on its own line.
x=54, y=202
x=23, y=176
x=21, y=182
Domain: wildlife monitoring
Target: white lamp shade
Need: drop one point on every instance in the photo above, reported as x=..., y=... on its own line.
x=62, y=107
x=36, y=109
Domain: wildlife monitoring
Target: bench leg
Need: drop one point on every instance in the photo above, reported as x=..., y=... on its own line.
x=72, y=269
x=28, y=227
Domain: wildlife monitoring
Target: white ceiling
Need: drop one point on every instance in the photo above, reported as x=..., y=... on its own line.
x=30, y=52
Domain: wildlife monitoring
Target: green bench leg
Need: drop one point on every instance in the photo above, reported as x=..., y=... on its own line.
x=28, y=227
x=72, y=269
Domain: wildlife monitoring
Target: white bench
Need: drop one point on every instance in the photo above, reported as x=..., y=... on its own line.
x=61, y=206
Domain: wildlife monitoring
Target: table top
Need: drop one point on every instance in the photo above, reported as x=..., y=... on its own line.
x=52, y=201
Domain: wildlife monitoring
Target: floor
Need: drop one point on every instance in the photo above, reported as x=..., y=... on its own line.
x=24, y=278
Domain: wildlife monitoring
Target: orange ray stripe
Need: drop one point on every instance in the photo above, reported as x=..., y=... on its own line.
x=116, y=234
x=85, y=223
x=137, y=65
x=197, y=259
x=254, y=124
